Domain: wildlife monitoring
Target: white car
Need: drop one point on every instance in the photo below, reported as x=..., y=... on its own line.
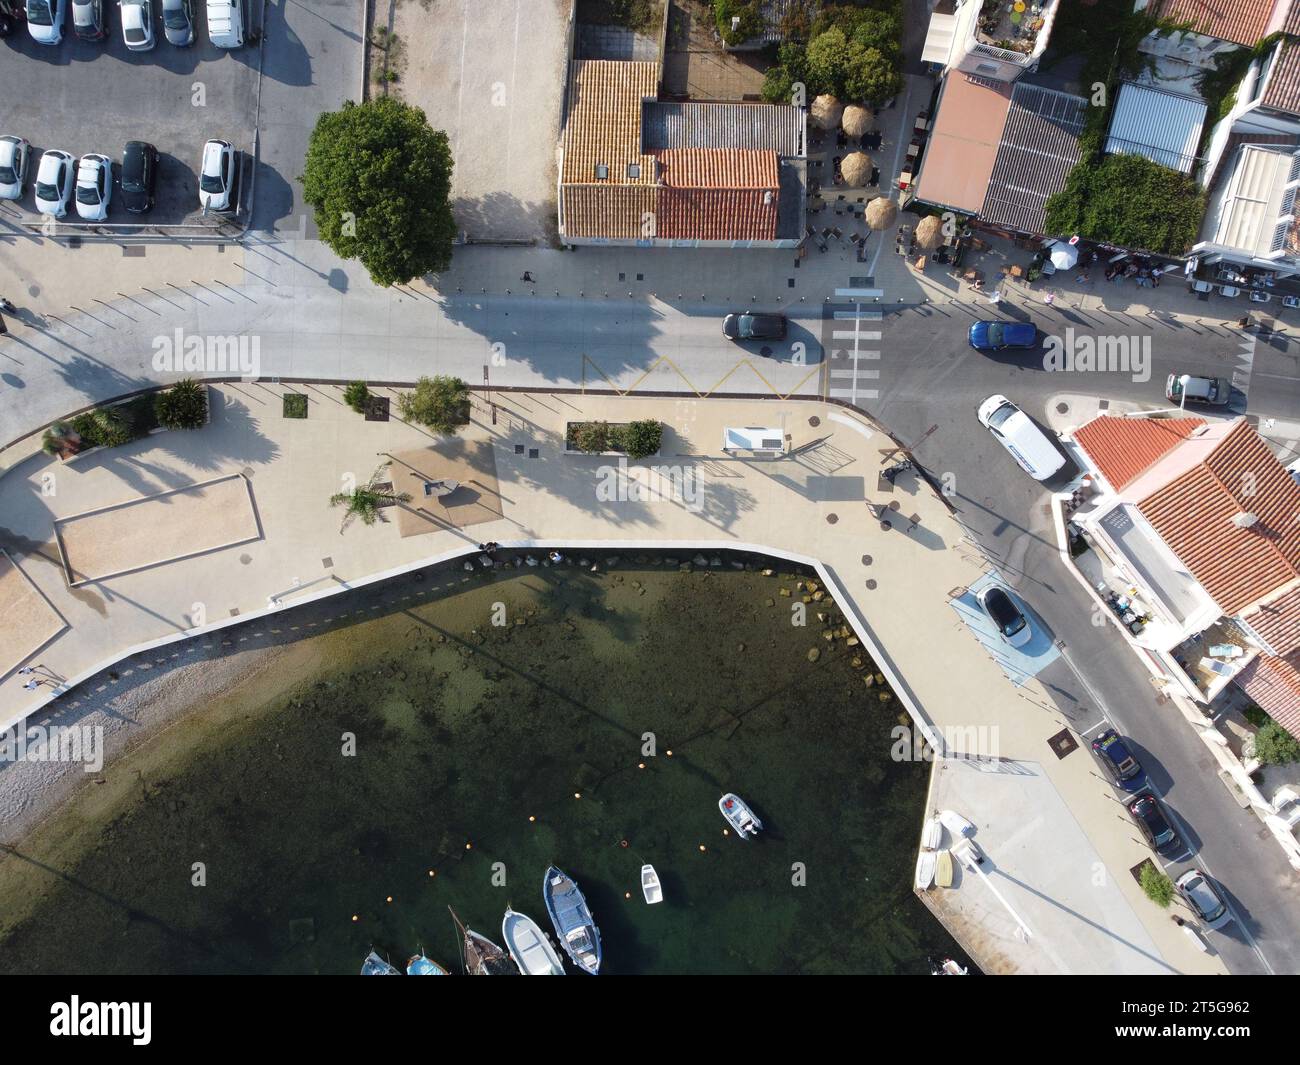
x=94, y=187
x=1027, y=443
x=45, y=20
x=14, y=155
x=54, y=180
x=226, y=23
x=216, y=175
x=137, y=24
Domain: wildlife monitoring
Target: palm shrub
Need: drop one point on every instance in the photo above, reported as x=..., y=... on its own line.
x=58, y=438
x=356, y=395
x=364, y=503
x=183, y=406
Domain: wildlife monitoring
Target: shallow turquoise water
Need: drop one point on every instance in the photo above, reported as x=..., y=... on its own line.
x=463, y=731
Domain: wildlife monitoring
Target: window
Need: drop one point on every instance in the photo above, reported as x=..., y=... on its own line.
x=602, y=172
x=634, y=170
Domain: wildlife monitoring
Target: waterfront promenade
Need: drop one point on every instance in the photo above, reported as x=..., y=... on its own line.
x=1059, y=846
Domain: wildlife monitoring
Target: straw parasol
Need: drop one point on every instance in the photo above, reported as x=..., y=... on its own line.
x=856, y=120
x=882, y=212
x=825, y=112
x=856, y=169
x=929, y=232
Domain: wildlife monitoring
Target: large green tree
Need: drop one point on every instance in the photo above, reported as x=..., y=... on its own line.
x=853, y=53
x=379, y=178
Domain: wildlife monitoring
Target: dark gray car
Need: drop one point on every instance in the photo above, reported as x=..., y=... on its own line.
x=178, y=22
x=748, y=326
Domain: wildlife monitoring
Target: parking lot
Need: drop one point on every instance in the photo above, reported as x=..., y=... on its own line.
x=83, y=96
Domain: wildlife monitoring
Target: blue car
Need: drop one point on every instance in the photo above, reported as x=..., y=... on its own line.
x=1126, y=771
x=994, y=336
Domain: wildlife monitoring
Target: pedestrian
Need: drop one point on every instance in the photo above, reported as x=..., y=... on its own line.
x=6, y=305
x=556, y=557
x=995, y=296
x=32, y=685
x=25, y=670
x=528, y=276
x=3, y=328
x=1050, y=298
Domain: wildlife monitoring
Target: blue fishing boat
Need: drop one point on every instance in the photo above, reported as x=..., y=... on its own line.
x=571, y=916
x=421, y=965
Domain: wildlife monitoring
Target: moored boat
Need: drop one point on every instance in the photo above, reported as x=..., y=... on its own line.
x=650, y=886
x=571, y=916
x=374, y=965
x=739, y=815
x=528, y=945
x=422, y=965
x=481, y=956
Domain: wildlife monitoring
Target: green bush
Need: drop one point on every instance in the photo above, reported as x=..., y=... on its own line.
x=1156, y=885
x=441, y=403
x=1275, y=746
x=294, y=405
x=356, y=396
x=59, y=437
x=642, y=438
x=105, y=427
x=593, y=437
x=854, y=53
x=751, y=23
x=183, y=406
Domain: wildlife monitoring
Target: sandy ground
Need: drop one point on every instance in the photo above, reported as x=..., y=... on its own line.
x=470, y=463
x=490, y=73
x=155, y=529
x=27, y=621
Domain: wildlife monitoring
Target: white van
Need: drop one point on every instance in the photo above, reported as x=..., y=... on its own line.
x=1027, y=443
x=226, y=23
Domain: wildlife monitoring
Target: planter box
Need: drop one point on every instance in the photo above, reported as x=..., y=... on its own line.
x=569, y=450
x=207, y=420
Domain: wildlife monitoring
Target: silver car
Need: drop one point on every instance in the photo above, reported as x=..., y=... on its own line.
x=1199, y=892
x=14, y=155
x=178, y=22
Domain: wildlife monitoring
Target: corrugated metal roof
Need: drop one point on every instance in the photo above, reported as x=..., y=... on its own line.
x=1274, y=685
x=1124, y=448
x=767, y=127
x=1283, y=89
x=1163, y=126
x=1255, y=198
x=602, y=124
x=1039, y=147
x=1194, y=514
x=1239, y=21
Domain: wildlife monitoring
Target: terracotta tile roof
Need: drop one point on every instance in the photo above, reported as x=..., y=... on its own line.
x=1123, y=448
x=1279, y=622
x=717, y=214
x=618, y=212
x=1240, y=21
x=718, y=168
x=602, y=123
x=1292, y=22
x=1274, y=685
x=1283, y=89
x=1194, y=514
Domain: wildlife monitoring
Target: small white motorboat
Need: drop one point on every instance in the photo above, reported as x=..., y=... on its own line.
x=650, y=886
x=925, y=864
x=739, y=815
x=528, y=945
x=947, y=967
x=932, y=834
x=956, y=824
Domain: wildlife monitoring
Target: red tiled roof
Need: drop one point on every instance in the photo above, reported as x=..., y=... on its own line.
x=1194, y=513
x=1124, y=448
x=1283, y=89
x=1279, y=622
x=1239, y=21
x=1274, y=685
x=717, y=214
x=718, y=168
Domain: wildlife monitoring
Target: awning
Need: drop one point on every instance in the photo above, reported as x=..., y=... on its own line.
x=753, y=438
x=938, y=39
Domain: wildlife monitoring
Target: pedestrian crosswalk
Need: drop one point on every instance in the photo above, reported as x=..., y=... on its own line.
x=855, y=345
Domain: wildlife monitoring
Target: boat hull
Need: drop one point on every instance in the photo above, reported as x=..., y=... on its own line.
x=528, y=946
x=574, y=925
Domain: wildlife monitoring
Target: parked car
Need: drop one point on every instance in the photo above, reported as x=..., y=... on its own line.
x=1155, y=826
x=139, y=176
x=216, y=175
x=1027, y=443
x=1215, y=391
x=45, y=20
x=88, y=20
x=226, y=23
x=1199, y=892
x=994, y=335
x=94, y=187
x=178, y=22
x=747, y=326
x=1012, y=624
x=1125, y=771
x=137, y=24
x=15, y=153
x=55, y=177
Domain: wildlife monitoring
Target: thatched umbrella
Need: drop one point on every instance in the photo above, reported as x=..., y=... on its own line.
x=856, y=120
x=929, y=232
x=855, y=168
x=825, y=112
x=882, y=212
